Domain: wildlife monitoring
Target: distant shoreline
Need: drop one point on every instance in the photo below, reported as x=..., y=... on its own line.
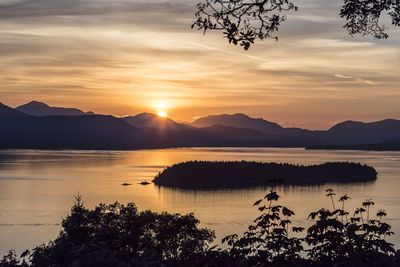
x=332, y=148
x=228, y=174
x=377, y=147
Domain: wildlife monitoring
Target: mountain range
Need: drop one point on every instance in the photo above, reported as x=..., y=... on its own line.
x=35, y=108
x=240, y=120
x=153, y=121
x=38, y=125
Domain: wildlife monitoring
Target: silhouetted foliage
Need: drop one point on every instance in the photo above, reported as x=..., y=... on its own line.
x=244, y=21
x=246, y=173
x=333, y=239
x=118, y=235
x=11, y=259
x=363, y=16
x=268, y=240
x=336, y=239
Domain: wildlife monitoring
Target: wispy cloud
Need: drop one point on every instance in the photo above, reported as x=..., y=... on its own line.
x=341, y=76
x=122, y=56
x=355, y=79
x=334, y=43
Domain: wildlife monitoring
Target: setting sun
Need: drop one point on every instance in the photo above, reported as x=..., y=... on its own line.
x=162, y=114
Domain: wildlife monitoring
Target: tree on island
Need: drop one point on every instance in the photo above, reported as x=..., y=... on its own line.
x=245, y=21
x=225, y=174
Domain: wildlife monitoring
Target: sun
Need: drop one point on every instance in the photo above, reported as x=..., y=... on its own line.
x=162, y=114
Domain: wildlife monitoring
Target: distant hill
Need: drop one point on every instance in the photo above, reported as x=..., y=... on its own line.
x=153, y=121
x=240, y=120
x=35, y=108
x=107, y=132
x=74, y=132
x=355, y=132
x=8, y=112
x=230, y=136
x=146, y=130
x=391, y=145
x=214, y=136
x=18, y=130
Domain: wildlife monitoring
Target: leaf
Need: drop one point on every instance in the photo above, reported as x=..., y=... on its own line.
x=272, y=196
x=297, y=229
x=287, y=212
x=257, y=202
x=368, y=203
x=381, y=213
x=344, y=198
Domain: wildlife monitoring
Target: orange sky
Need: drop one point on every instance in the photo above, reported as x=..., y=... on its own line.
x=125, y=57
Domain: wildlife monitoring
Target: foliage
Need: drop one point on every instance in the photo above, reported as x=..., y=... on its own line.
x=363, y=16
x=268, y=241
x=118, y=235
x=11, y=259
x=336, y=239
x=333, y=239
x=244, y=21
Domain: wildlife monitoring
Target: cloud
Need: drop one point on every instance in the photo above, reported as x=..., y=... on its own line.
x=116, y=11
x=334, y=43
x=341, y=76
x=121, y=56
x=369, y=82
x=10, y=3
x=356, y=79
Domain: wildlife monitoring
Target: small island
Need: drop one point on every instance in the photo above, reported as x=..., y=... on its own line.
x=246, y=174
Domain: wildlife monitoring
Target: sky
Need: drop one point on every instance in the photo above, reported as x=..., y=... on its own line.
x=124, y=57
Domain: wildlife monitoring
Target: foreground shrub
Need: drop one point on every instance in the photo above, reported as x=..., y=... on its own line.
x=335, y=239
x=119, y=235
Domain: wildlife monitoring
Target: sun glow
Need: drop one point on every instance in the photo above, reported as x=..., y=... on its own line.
x=162, y=114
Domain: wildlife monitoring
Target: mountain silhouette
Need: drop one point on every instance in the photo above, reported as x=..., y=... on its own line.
x=347, y=133
x=146, y=130
x=240, y=120
x=8, y=112
x=350, y=132
x=153, y=121
x=379, y=135
x=35, y=108
x=19, y=130
x=70, y=132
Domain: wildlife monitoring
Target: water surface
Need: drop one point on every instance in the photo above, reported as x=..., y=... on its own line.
x=37, y=188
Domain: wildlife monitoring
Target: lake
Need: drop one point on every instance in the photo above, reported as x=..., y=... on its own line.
x=37, y=188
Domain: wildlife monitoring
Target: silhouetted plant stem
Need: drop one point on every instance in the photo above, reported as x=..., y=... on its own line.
x=367, y=203
x=333, y=204
x=118, y=235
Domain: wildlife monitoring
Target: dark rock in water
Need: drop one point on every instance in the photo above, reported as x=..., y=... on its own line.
x=125, y=184
x=144, y=183
x=244, y=174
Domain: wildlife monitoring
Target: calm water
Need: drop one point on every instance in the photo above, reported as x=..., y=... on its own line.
x=37, y=188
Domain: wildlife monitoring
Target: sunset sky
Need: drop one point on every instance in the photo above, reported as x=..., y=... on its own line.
x=124, y=57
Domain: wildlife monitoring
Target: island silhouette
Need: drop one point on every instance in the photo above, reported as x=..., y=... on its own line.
x=212, y=174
